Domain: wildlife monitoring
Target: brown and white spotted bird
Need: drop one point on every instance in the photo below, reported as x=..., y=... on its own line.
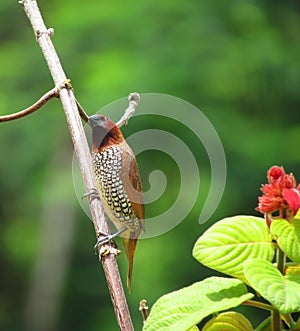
x=118, y=183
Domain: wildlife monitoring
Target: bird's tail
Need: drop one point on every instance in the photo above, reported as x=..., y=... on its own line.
x=129, y=245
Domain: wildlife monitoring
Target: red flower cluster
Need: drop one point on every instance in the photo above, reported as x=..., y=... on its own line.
x=280, y=193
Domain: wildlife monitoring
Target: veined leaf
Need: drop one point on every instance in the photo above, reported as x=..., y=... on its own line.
x=230, y=242
x=229, y=321
x=283, y=292
x=182, y=309
x=288, y=237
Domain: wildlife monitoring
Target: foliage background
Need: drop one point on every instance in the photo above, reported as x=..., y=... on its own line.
x=238, y=61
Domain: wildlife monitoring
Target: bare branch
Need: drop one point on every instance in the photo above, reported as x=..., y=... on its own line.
x=134, y=99
x=84, y=157
x=46, y=97
x=54, y=93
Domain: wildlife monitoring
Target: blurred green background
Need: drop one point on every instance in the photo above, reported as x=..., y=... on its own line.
x=236, y=60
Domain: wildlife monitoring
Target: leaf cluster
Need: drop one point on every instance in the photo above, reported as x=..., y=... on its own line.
x=242, y=247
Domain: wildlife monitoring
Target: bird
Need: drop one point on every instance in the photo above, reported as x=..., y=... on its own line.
x=118, y=183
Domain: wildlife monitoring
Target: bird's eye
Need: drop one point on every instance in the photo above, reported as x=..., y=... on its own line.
x=105, y=118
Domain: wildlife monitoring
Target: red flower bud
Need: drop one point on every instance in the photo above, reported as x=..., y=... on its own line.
x=275, y=173
x=288, y=181
x=268, y=204
x=280, y=194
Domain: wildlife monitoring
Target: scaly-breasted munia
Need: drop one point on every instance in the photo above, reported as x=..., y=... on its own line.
x=118, y=183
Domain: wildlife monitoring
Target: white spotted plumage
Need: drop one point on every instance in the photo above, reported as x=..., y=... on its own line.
x=107, y=166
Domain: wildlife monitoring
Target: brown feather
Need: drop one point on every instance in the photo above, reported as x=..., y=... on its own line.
x=104, y=137
x=132, y=181
x=129, y=246
x=130, y=177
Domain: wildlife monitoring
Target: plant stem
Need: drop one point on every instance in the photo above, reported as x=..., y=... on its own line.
x=276, y=320
x=258, y=304
x=280, y=260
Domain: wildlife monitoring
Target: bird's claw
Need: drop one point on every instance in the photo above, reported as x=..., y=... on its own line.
x=104, y=239
x=93, y=194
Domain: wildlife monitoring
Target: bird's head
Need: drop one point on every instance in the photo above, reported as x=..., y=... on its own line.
x=104, y=132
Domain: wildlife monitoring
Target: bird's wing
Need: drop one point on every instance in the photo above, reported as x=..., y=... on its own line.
x=131, y=179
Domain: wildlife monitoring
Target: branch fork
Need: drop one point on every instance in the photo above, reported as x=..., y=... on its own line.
x=53, y=93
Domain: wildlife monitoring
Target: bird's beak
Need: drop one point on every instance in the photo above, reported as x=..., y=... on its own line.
x=95, y=120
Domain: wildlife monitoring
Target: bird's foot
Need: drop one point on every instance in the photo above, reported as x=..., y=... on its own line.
x=106, y=250
x=93, y=194
x=104, y=239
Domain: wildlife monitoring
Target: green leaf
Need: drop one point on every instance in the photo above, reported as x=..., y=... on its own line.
x=288, y=237
x=230, y=242
x=229, y=321
x=283, y=292
x=182, y=309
